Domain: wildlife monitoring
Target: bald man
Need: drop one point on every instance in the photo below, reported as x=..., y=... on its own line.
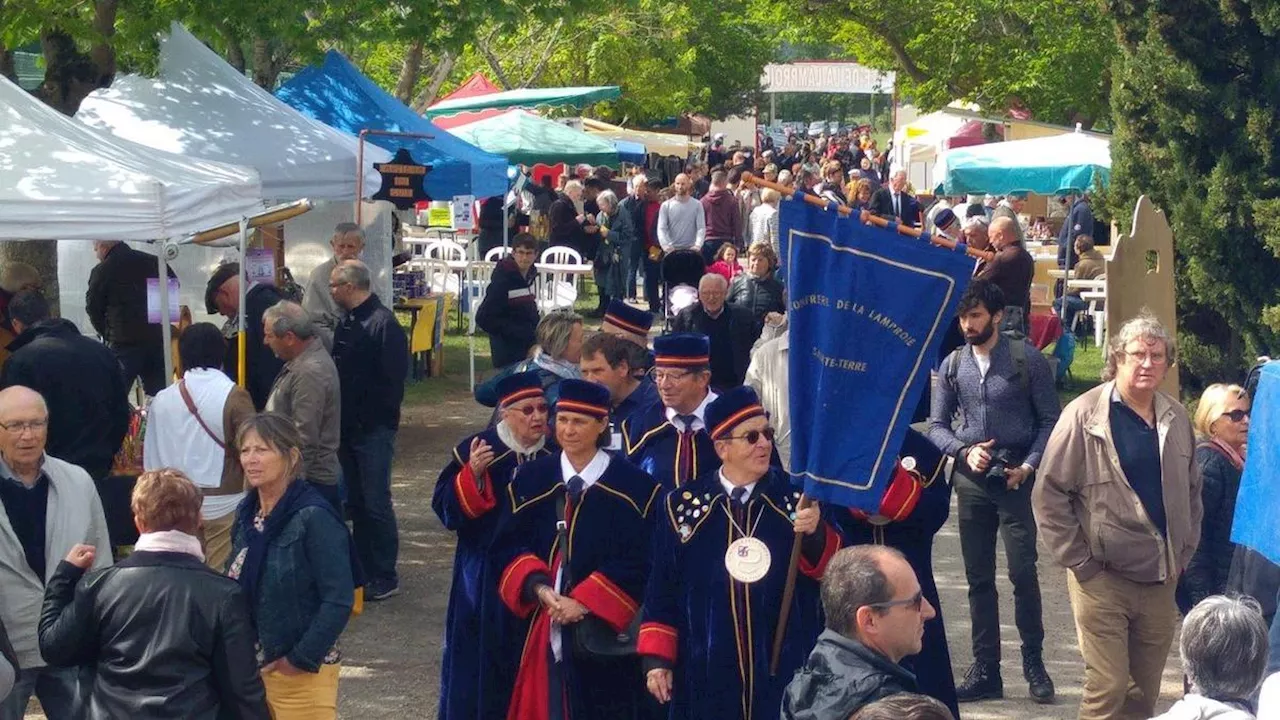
x=47, y=507
x=1012, y=269
x=732, y=329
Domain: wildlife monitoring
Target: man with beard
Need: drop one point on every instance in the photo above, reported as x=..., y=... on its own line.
x=1004, y=393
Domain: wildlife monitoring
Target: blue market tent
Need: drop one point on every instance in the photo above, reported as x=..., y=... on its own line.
x=632, y=152
x=1045, y=165
x=337, y=94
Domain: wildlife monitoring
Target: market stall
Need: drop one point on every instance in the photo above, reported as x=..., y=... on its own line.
x=1066, y=163
x=475, y=100
x=664, y=144
x=526, y=139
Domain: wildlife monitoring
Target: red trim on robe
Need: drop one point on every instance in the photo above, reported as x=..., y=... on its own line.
x=474, y=502
x=606, y=600
x=511, y=587
x=529, y=700
x=658, y=640
x=816, y=571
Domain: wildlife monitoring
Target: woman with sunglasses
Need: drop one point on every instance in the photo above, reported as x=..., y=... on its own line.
x=482, y=640
x=1222, y=422
x=720, y=562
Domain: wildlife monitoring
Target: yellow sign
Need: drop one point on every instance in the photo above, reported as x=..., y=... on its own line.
x=440, y=217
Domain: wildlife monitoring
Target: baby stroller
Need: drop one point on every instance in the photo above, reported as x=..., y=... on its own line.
x=681, y=271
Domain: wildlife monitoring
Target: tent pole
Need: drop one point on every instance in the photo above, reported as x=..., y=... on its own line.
x=166, y=329
x=241, y=337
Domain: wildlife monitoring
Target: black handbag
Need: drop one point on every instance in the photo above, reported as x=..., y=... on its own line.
x=591, y=637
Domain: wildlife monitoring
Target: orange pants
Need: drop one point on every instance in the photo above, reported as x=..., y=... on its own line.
x=305, y=696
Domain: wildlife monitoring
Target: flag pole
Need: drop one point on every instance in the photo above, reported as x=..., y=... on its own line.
x=867, y=217
x=788, y=590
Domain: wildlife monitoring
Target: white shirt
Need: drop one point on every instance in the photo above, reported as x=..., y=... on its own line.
x=590, y=475
x=175, y=439
x=768, y=376
x=699, y=414
x=984, y=362
x=730, y=487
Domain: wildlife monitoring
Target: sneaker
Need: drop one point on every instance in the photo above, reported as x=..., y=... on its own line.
x=1038, y=680
x=981, y=682
x=377, y=590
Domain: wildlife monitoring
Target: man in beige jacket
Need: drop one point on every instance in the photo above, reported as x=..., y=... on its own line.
x=1118, y=504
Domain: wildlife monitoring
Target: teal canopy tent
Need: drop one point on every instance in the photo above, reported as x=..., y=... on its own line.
x=527, y=139
x=1047, y=166
x=526, y=98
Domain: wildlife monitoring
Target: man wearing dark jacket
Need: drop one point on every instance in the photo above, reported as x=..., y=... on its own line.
x=222, y=295
x=509, y=311
x=724, y=216
x=893, y=202
x=731, y=329
x=80, y=380
x=166, y=636
x=1011, y=270
x=1079, y=222
x=117, y=305
x=875, y=615
x=634, y=206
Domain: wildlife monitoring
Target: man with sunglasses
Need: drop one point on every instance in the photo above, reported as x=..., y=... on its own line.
x=482, y=640
x=720, y=564
x=668, y=439
x=875, y=613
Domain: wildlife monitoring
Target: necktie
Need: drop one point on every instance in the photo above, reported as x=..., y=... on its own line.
x=897, y=205
x=575, y=487
x=684, y=450
x=739, y=504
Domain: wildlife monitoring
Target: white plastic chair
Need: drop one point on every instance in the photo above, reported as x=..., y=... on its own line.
x=496, y=254
x=439, y=278
x=560, y=255
x=445, y=250
x=479, y=273
x=555, y=290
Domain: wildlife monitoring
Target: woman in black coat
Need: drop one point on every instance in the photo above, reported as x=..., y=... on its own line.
x=757, y=289
x=1222, y=419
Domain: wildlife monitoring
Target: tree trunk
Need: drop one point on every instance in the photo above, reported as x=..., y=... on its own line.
x=546, y=55
x=7, y=68
x=444, y=66
x=410, y=72
x=235, y=48
x=265, y=70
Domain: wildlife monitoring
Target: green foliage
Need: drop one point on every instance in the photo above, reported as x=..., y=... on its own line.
x=1197, y=109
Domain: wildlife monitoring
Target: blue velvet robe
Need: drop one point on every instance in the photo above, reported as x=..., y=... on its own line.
x=650, y=441
x=609, y=536
x=913, y=536
x=482, y=640
x=694, y=623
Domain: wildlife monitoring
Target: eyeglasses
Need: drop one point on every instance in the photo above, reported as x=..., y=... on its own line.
x=753, y=436
x=1141, y=358
x=22, y=426
x=912, y=602
x=672, y=376
x=1237, y=415
x=529, y=410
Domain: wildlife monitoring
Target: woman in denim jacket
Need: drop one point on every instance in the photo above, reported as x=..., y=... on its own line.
x=291, y=554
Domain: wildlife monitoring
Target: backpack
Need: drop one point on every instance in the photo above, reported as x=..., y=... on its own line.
x=1017, y=351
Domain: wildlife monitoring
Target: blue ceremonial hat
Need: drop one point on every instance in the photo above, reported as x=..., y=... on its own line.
x=731, y=410
x=519, y=386
x=622, y=317
x=681, y=350
x=580, y=396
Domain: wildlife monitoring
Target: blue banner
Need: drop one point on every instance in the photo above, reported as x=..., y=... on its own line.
x=1258, y=503
x=867, y=310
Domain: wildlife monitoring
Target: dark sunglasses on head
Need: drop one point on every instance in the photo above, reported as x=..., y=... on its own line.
x=529, y=410
x=912, y=602
x=753, y=436
x=1236, y=415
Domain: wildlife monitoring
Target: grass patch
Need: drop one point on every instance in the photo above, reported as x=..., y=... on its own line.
x=1086, y=371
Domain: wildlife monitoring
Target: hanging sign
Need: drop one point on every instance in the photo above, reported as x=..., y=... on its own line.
x=153, y=300
x=464, y=212
x=260, y=266
x=402, y=181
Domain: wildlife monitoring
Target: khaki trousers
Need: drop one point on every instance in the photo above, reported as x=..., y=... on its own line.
x=217, y=541
x=1124, y=629
x=305, y=696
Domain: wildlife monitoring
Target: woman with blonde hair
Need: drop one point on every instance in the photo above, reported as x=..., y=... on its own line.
x=1222, y=421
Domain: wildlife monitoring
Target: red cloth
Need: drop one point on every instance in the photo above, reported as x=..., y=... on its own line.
x=1046, y=328
x=725, y=270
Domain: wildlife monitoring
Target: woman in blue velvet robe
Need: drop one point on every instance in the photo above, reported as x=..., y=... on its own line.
x=913, y=536
x=482, y=640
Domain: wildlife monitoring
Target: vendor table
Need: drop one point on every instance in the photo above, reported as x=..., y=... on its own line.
x=426, y=333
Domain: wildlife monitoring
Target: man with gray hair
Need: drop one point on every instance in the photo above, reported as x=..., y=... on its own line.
x=371, y=352
x=1117, y=503
x=347, y=244
x=1224, y=654
x=732, y=329
x=306, y=390
x=875, y=614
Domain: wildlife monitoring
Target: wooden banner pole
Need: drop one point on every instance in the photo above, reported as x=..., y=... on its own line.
x=788, y=590
x=866, y=217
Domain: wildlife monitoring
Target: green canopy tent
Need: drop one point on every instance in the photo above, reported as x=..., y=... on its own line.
x=526, y=139
x=526, y=98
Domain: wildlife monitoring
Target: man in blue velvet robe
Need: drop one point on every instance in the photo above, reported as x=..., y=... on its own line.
x=706, y=638
x=610, y=360
x=482, y=640
x=669, y=439
x=912, y=535
x=575, y=549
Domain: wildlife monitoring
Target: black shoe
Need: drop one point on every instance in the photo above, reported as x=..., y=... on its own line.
x=1038, y=680
x=981, y=682
x=376, y=590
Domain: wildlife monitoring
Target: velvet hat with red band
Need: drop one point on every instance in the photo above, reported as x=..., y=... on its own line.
x=627, y=320
x=585, y=398
x=731, y=409
x=682, y=350
x=519, y=386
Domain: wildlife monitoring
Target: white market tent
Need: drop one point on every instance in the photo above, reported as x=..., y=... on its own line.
x=201, y=107
x=61, y=180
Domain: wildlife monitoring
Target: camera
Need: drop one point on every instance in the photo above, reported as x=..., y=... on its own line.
x=1000, y=461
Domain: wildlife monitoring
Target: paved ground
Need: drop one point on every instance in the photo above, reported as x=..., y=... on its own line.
x=392, y=652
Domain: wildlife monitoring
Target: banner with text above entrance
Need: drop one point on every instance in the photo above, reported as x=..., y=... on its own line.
x=867, y=310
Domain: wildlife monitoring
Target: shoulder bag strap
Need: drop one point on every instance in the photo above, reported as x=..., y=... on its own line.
x=191, y=407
